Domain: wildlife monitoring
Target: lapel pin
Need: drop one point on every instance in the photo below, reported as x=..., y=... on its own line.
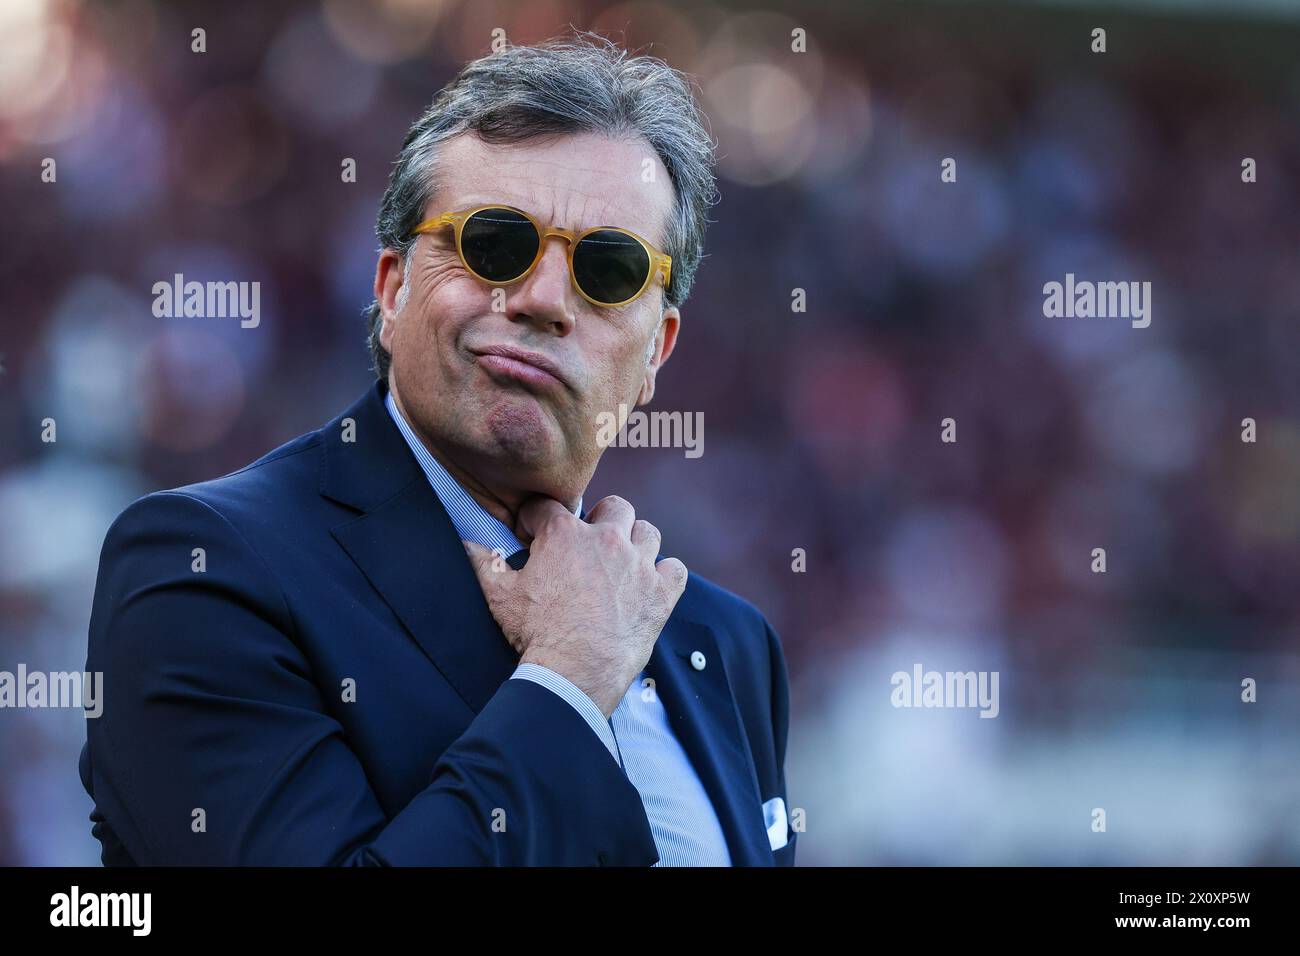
x=697, y=660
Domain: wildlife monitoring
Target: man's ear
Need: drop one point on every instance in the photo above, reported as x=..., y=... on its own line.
x=388, y=283
x=664, y=342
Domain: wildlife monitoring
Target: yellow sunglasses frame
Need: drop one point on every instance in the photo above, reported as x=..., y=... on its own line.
x=660, y=262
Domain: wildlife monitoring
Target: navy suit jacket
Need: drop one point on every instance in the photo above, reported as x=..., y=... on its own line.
x=329, y=564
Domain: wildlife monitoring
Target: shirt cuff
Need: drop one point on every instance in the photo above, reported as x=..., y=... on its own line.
x=580, y=702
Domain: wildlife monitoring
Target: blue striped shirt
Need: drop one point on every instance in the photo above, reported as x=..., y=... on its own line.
x=683, y=822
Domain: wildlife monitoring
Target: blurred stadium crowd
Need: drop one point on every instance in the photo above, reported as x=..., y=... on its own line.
x=924, y=301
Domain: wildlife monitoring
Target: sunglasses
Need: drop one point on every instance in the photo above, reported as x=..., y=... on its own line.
x=502, y=245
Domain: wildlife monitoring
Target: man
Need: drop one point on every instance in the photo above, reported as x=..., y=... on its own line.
x=324, y=659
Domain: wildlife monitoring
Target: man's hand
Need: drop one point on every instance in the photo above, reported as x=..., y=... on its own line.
x=591, y=601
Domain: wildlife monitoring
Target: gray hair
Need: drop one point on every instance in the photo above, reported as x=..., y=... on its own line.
x=570, y=85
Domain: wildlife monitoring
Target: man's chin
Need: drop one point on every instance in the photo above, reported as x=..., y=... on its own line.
x=522, y=430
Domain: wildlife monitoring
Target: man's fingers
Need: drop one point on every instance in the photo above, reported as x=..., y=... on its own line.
x=674, y=575
x=646, y=537
x=534, y=514
x=615, y=511
x=489, y=566
x=495, y=577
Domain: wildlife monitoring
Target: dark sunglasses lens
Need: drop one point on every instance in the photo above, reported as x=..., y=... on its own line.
x=610, y=266
x=499, y=244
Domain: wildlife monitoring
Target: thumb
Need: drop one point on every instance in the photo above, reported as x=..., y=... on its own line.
x=489, y=566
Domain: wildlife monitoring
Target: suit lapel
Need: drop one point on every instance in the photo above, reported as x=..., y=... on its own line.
x=702, y=712
x=408, y=549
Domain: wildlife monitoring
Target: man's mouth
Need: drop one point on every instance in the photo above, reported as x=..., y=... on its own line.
x=507, y=363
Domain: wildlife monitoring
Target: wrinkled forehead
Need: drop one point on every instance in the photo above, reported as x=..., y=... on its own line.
x=573, y=181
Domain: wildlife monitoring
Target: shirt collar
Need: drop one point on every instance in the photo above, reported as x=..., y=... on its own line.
x=472, y=521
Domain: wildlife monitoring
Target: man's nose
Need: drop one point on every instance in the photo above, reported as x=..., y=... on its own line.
x=546, y=298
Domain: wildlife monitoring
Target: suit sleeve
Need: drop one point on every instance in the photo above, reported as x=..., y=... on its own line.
x=576, y=698
x=780, y=733
x=215, y=746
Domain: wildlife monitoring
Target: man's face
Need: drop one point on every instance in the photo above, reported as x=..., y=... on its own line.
x=514, y=427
